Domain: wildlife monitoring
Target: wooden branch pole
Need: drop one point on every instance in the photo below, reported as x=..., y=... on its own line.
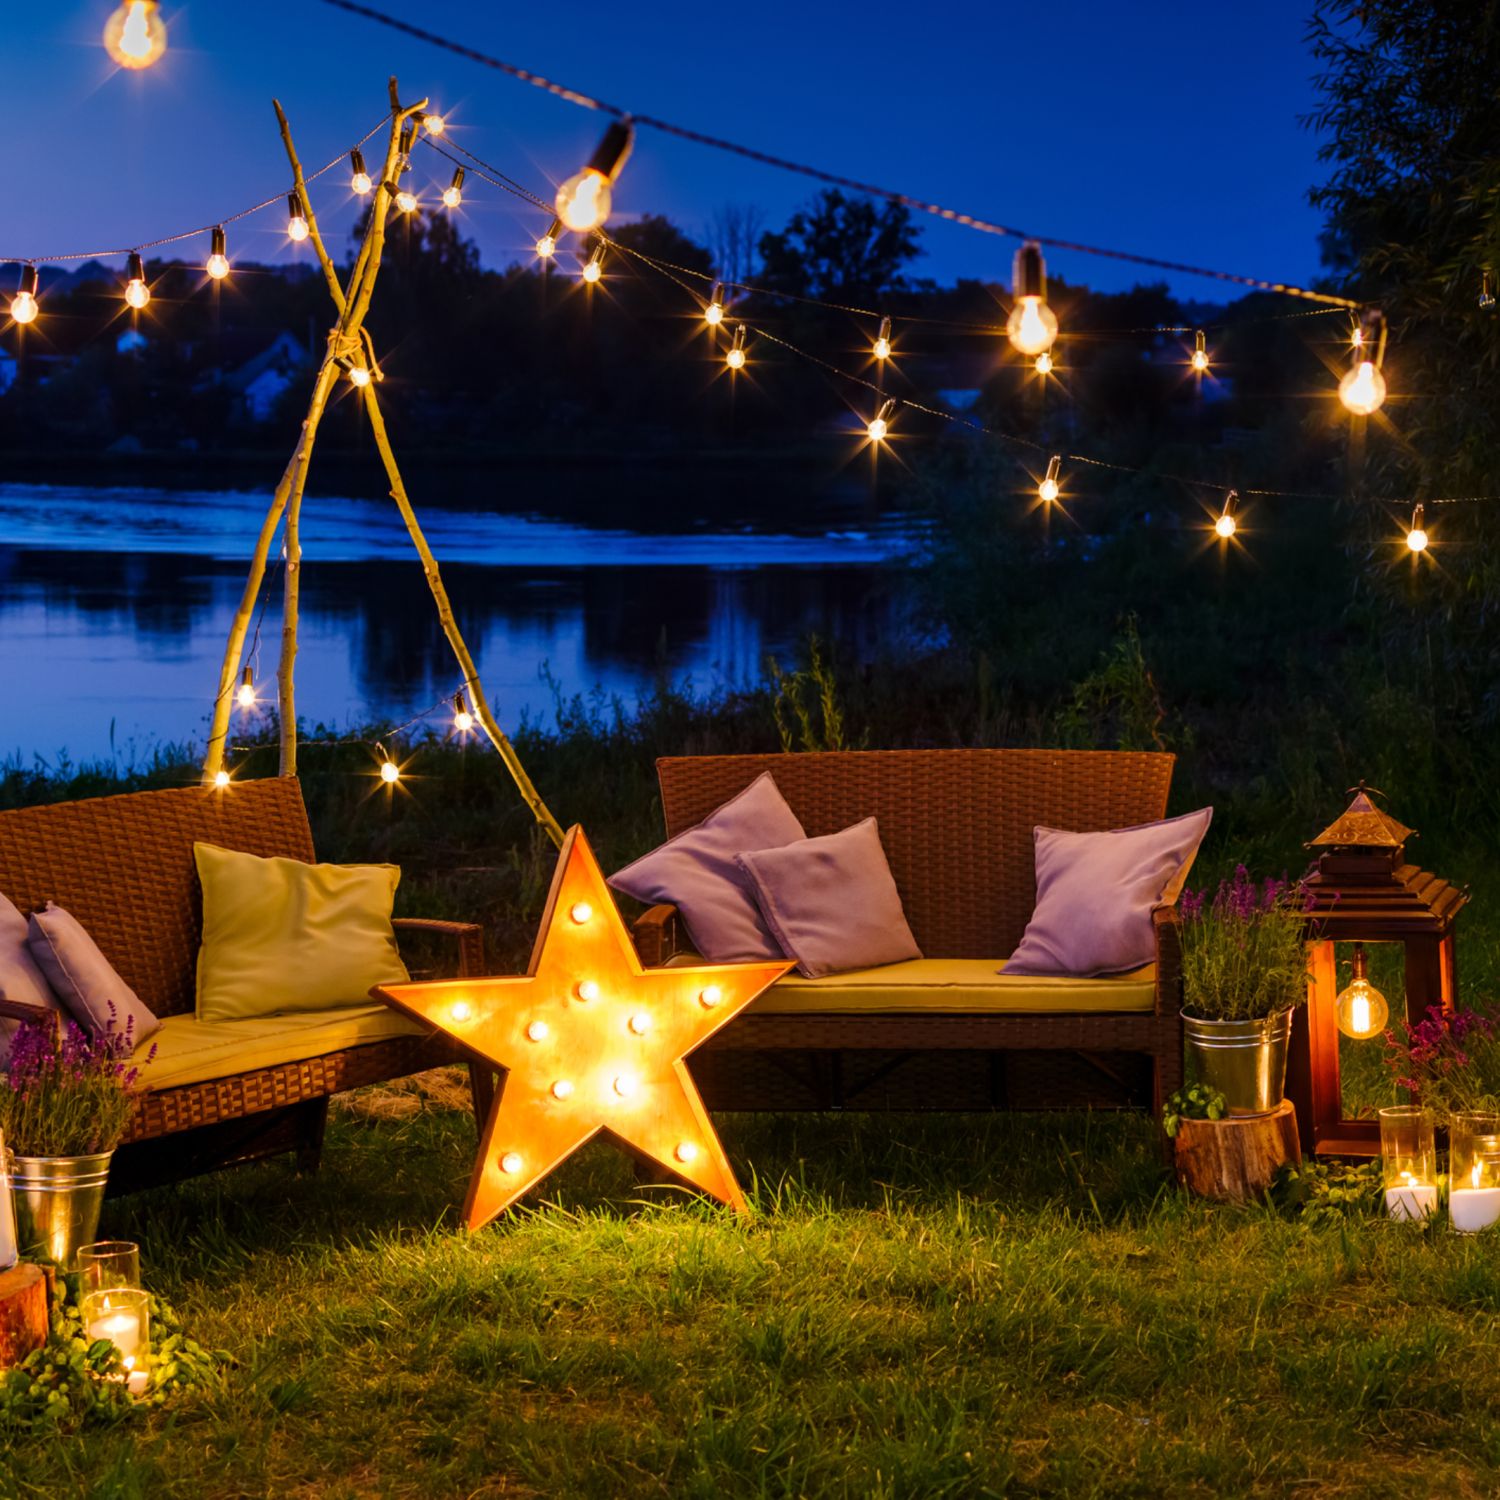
x=1235, y=1159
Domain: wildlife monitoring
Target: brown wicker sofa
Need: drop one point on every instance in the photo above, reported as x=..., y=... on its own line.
x=124, y=867
x=957, y=829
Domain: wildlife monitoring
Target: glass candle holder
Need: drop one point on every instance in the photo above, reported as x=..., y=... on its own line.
x=122, y=1314
x=1408, y=1154
x=1474, y=1172
x=109, y=1263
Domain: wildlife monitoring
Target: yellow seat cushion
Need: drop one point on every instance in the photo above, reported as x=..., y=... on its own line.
x=192, y=1051
x=953, y=985
x=280, y=935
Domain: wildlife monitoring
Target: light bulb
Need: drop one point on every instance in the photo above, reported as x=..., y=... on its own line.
x=1200, y=360
x=626, y=1085
x=882, y=348
x=713, y=314
x=453, y=194
x=1361, y=1009
x=135, y=35
x=1043, y=363
x=217, y=264
x=406, y=200
x=1049, y=489
x=584, y=200
x=1032, y=325
x=588, y=989
x=1362, y=390
x=594, y=269
x=511, y=1162
x=710, y=996
x=296, y=225
x=245, y=693
x=686, y=1152
x=562, y=1089
x=390, y=772
x=463, y=720
x=359, y=375
x=581, y=912
x=537, y=1031
x=359, y=177
x=434, y=124
x=221, y=779
x=639, y=1023
x=23, y=306
x=1357, y=337
x=880, y=423
x=1226, y=525
x=1416, y=533
x=461, y=1010
x=735, y=358
x=546, y=246
x=137, y=293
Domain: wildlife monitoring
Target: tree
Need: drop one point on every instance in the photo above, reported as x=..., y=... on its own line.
x=841, y=248
x=733, y=234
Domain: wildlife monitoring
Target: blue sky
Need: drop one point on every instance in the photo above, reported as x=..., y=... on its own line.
x=1170, y=129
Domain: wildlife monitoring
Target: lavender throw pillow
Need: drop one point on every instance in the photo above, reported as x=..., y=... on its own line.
x=832, y=901
x=1095, y=893
x=84, y=979
x=697, y=873
x=20, y=979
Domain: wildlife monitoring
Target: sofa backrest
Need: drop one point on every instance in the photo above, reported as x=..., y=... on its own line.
x=956, y=824
x=124, y=867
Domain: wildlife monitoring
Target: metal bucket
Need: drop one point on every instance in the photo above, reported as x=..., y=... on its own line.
x=1244, y=1060
x=58, y=1199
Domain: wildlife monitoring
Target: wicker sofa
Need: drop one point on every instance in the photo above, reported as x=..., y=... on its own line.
x=947, y=1031
x=225, y=1092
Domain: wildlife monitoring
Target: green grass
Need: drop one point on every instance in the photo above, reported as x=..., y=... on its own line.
x=919, y=1307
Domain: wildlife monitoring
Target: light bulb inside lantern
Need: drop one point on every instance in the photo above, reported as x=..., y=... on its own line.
x=626, y=1085
x=639, y=1023
x=581, y=912
x=221, y=779
x=686, y=1152
x=1362, y=390
x=135, y=35
x=1043, y=363
x=511, y=1163
x=1032, y=325
x=562, y=1089
x=1360, y=1008
x=584, y=200
x=587, y=989
x=390, y=772
x=406, y=200
x=537, y=1031
x=710, y=996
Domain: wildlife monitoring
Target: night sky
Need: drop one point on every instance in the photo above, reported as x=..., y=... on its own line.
x=1169, y=129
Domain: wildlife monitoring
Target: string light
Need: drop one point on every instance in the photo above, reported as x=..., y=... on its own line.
x=359, y=375
x=735, y=358
x=453, y=194
x=546, y=245
x=359, y=180
x=463, y=720
x=217, y=264
x=406, y=200
x=23, y=306
x=713, y=314
x=1044, y=363
x=135, y=35
x=221, y=779
x=1200, y=354
x=585, y=199
x=1416, y=533
x=880, y=423
x=403, y=147
x=1356, y=336
x=137, y=293
x=1226, y=525
x=296, y=225
x=245, y=693
x=882, y=349
x=1032, y=325
x=1049, y=489
x=1362, y=390
x=594, y=269
x=390, y=772
x=434, y=124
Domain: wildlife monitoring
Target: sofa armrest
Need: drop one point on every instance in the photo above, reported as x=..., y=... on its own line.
x=470, y=937
x=1168, y=926
x=18, y=1010
x=655, y=934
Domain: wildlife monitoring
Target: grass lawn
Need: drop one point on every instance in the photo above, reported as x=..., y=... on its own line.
x=966, y=1306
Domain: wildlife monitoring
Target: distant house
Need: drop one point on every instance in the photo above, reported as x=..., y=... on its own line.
x=259, y=383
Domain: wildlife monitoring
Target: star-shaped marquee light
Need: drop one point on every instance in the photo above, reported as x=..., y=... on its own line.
x=588, y=1041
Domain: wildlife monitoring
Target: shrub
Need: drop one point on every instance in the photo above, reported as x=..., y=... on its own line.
x=1243, y=951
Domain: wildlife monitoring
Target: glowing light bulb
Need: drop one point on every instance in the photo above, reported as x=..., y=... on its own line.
x=562, y=1089
x=135, y=35
x=1416, y=533
x=735, y=358
x=296, y=225
x=713, y=314
x=245, y=693
x=453, y=194
x=221, y=779
x=359, y=375
x=406, y=200
x=882, y=349
x=217, y=264
x=1032, y=325
x=1049, y=489
x=880, y=424
x=511, y=1163
x=137, y=293
x=1226, y=525
x=461, y=1010
x=546, y=246
x=1043, y=363
x=434, y=124
x=594, y=269
x=585, y=199
x=710, y=996
x=1362, y=390
x=359, y=176
x=23, y=306
x=463, y=720
x=1200, y=353
x=587, y=989
x=581, y=912
x=537, y=1031
x=1361, y=1009
x=686, y=1152
x=390, y=772
x=1357, y=337
x=626, y=1085
x=639, y=1023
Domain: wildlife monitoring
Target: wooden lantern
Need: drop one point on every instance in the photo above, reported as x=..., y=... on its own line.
x=1363, y=890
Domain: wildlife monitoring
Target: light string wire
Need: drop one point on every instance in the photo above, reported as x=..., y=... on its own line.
x=368, y=741
x=751, y=153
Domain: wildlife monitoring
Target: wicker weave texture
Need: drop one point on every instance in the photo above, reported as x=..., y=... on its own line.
x=124, y=867
x=956, y=824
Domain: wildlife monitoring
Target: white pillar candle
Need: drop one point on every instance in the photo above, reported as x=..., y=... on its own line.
x=1416, y=1200
x=122, y=1327
x=1472, y=1209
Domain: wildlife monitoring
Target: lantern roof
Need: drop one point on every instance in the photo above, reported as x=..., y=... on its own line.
x=1362, y=825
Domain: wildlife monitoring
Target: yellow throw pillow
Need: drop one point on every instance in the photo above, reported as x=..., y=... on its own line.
x=280, y=935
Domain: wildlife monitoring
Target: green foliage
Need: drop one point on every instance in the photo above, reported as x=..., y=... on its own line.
x=64, y=1092
x=1198, y=1101
x=1244, y=954
x=1117, y=706
x=842, y=248
x=1323, y=1191
x=805, y=703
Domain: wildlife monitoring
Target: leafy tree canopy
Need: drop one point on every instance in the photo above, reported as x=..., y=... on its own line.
x=841, y=248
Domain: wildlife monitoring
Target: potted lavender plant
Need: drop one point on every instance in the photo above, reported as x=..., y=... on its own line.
x=1244, y=970
x=64, y=1106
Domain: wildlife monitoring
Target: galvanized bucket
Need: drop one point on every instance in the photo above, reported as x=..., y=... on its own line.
x=58, y=1199
x=1244, y=1060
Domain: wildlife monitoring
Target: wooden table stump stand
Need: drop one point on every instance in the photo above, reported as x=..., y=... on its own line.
x=1234, y=1159
x=25, y=1313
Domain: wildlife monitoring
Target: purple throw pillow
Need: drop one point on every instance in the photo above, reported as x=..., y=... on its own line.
x=84, y=979
x=697, y=873
x=1095, y=893
x=832, y=901
x=20, y=979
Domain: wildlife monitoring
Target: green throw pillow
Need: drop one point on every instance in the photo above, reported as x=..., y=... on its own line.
x=280, y=935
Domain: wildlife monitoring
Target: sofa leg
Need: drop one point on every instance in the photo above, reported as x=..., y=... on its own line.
x=312, y=1121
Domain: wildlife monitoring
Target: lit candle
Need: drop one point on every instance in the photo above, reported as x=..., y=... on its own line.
x=1473, y=1208
x=122, y=1327
x=1410, y=1199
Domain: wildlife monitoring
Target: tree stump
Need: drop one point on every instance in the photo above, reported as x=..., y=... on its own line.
x=25, y=1317
x=1234, y=1159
